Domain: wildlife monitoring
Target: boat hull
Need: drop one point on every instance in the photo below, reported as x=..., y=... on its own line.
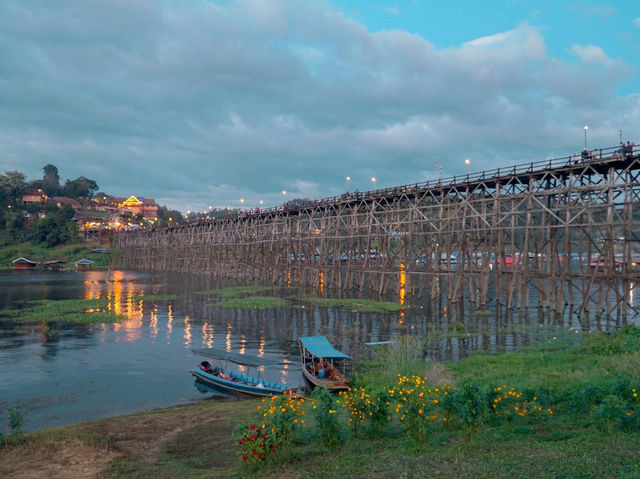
x=241, y=387
x=313, y=382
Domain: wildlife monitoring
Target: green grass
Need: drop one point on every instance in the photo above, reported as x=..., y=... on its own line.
x=356, y=305
x=63, y=311
x=196, y=441
x=155, y=297
x=235, y=292
x=69, y=253
x=251, y=302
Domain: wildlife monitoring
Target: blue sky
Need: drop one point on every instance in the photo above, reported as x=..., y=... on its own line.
x=203, y=102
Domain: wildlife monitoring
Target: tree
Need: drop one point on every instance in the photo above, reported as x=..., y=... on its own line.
x=164, y=214
x=12, y=187
x=80, y=188
x=51, y=180
x=56, y=228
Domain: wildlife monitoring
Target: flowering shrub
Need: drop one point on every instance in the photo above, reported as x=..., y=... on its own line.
x=419, y=405
x=327, y=418
x=618, y=410
x=466, y=404
x=364, y=407
x=282, y=415
x=509, y=404
x=255, y=443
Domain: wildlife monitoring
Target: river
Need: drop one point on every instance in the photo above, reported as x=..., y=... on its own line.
x=59, y=374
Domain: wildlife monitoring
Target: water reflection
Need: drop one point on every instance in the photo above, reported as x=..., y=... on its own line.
x=120, y=353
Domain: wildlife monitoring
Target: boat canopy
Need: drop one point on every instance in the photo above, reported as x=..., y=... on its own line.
x=233, y=357
x=321, y=347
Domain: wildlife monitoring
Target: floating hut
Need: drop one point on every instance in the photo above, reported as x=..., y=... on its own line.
x=24, y=263
x=53, y=265
x=84, y=264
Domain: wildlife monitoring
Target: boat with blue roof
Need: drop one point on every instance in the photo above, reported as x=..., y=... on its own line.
x=322, y=364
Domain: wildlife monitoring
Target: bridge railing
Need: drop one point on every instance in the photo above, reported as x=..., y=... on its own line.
x=449, y=181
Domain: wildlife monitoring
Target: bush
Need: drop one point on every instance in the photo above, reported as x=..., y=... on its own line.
x=326, y=418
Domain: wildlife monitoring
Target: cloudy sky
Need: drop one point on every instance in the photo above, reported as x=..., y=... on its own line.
x=205, y=102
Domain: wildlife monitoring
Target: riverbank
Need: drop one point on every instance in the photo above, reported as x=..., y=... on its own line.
x=67, y=253
x=586, y=436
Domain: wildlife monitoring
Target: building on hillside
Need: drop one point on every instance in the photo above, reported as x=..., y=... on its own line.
x=23, y=263
x=34, y=196
x=135, y=206
x=61, y=200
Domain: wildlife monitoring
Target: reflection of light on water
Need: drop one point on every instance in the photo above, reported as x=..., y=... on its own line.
x=402, y=277
x=321, y=281
x=631, y=288
x=243, y=344
x=261, y=346
x=403, y=281
x=227, y=337
x=207, y=335
x=444, y=312
x=153, y=321
x=288, y=278
x=285, y=368
x=169, y=322
x=187, y=332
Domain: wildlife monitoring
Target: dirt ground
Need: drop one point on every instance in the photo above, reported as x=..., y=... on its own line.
x=87, y=450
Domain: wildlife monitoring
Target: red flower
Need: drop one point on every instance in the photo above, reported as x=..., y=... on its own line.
x=244, y=458
x=260, y=455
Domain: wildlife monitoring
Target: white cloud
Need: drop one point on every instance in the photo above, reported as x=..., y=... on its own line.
x=200, y=102
x=592, y=54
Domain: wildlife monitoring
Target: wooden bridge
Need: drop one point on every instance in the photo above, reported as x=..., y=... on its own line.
x=558, y=233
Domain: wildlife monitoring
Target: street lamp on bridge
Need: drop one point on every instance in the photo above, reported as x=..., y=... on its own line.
x=467, y=162
x=348, y=179
x=585, y=136
x=373, y=180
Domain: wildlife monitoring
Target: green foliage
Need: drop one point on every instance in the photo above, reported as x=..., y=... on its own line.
x=467, y=403
x=15, y=418
x=402, y=357
x=256, y=444
x=282, y=416
x=63, y=311
x=355, y=305
x=367, y=408
x=80, y=188
x=56, y=228
x=155, y=297
x=627, y=340
x=235, y=292
x=327, y=419
x=252, y=302
x=40, y=252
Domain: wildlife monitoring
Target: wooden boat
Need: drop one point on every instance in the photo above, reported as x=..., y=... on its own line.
x=233, y=381
x=322, y=364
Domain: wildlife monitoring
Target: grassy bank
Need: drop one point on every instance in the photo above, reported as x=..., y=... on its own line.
x=68, y=253
x=588, y=387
